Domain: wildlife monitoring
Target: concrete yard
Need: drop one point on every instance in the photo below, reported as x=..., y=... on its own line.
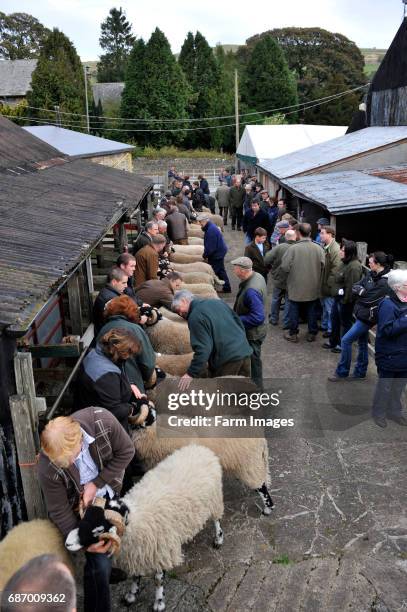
x=337, y=539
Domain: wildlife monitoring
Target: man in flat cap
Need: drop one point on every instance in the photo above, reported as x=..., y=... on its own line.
x=250, y=306
x=215, y=248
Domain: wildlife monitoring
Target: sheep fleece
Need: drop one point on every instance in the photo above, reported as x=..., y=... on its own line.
x=195, y=240
x=185, y=258
x=168, y=507
x=169, y=337
x=189, y=249
x=28, y=540
x=197, y=277
x=176, y=365
x=198, y=266
x=172, y=316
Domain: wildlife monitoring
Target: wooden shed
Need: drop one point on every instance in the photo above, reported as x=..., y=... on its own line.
x=55, y=213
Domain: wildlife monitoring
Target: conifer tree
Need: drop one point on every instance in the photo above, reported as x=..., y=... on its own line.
x=58, y=79
x=116, y=40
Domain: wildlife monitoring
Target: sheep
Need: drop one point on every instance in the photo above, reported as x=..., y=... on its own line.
x=197, y=266
x=189, y=249
x=169, y=337
x=195, y=240
x=200, y=289
x=198, y=277
x=28, y=540
x=244, y=458
x=172, y=316
x=168, y=508
x=184, y=258
x=176, y=365
x=195, y=231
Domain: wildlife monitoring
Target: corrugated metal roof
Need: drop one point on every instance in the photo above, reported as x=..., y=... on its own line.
x=107, y=93
x=333, y=151
x=349, y=191
x=77, y=144
x=15, y=77
x=52, y=213
x=270, y=141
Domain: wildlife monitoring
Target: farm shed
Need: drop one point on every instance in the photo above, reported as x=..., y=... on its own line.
x=55, y=213
x=15, y=80
x=85, y=146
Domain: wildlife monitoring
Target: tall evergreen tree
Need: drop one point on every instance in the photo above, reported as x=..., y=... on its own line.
x=58, y=79
x=155, y=88
x=269, y=83
x=116, y=40
x=202, y=71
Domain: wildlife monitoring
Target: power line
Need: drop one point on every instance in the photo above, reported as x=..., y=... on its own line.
x=152, y=120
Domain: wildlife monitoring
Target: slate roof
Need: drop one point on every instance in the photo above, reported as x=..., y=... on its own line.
x=107, y=93
x=15, y=77
x=52, y=214
x=331, y=152
x=77, y=144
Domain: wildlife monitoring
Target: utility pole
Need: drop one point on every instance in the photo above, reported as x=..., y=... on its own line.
x=58, y=116
x=85, y=71
x=237, y=113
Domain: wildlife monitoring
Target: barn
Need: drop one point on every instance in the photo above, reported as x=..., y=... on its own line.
x=55, y=214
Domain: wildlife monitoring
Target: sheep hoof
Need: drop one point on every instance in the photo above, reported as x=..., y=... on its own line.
x=128, y=599
x=159, y=606
x=217, y=543
x=267, y=511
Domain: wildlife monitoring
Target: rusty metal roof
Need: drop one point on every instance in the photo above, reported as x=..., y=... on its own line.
x=392, y=173
x=349, y=191
x=52, y=214
x=329, y=153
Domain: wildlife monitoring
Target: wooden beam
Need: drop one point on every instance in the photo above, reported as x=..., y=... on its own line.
x=25, y=385
x=74, y=300
x=27, y=456
x=44, y=351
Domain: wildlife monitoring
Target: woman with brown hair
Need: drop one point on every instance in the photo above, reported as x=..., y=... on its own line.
x=124, y=313
x=102, y=380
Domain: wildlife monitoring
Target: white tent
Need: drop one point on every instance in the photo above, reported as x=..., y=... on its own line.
x=270, y=141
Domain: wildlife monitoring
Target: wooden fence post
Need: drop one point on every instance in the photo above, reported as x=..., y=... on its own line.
x=27, y=456
x=74, y=300
x=23, y=371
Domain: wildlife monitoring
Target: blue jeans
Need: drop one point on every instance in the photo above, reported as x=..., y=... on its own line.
x=388, y=392
x=247, y=239
x=96, y=585
x=359, y=331
x=276, y=298
x=294, y=313
x=326, y=321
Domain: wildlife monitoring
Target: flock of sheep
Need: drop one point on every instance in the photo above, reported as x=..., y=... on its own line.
x=183, y=488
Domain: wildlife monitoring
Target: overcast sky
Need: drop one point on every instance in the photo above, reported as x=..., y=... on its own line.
x=370, y=23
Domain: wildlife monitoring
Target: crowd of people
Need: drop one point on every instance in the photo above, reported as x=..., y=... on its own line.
x=317, y=280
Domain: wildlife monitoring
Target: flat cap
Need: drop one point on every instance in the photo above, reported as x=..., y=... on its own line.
x=323, y=221
x=243, y=262
x=203, y=217
x=283, y=223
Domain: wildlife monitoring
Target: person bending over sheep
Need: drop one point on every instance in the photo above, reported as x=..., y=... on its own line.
x=84, y=456
x=218, y=338
x=160, y=292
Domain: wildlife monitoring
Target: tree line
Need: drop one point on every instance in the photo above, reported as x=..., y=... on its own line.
x=279, y=69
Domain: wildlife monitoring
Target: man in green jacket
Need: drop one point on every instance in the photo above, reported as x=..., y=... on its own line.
x=328, y=286
x=237, y=195
x=273, y=259
x=218, y=338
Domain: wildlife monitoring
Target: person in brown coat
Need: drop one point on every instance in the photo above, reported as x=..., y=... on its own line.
x=256, y=251
x=177, y=226
x=160, y=292
x=147, y=260
x=83, y=456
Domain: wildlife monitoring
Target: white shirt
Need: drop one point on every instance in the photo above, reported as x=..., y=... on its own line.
x=87, y=468
x=260, y=246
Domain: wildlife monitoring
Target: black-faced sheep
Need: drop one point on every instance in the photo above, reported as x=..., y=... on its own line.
x=168, y=508
x=169, y=337
x=28, y=540
x=175, y=365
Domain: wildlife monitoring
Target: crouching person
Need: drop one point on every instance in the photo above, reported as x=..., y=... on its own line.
x=84, y=456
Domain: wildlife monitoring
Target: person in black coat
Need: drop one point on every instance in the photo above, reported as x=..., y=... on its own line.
x=391, y=352
x=253, y=218
x=198, y=197
x=116, y=285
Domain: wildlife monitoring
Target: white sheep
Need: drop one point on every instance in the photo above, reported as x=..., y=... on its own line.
x=194, y=249
x=198, y=277
x=28, y=540
x=195, y=240
x=168, y=508
x=175, y=365
x=200, y=289
x=169, y=337
x=247, y=459
x=195, y=231
x=197, y=266
x=184, y=258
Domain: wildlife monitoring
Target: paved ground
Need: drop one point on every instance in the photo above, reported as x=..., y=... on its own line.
x=337, y=539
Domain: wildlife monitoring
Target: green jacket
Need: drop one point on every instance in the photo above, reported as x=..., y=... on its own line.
x=273, y=259
x=302, y=266
x=236, y=197
x=347, y=275
x=217, y=335
x=252, y=317
x=332, y=264
x=139, y=368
